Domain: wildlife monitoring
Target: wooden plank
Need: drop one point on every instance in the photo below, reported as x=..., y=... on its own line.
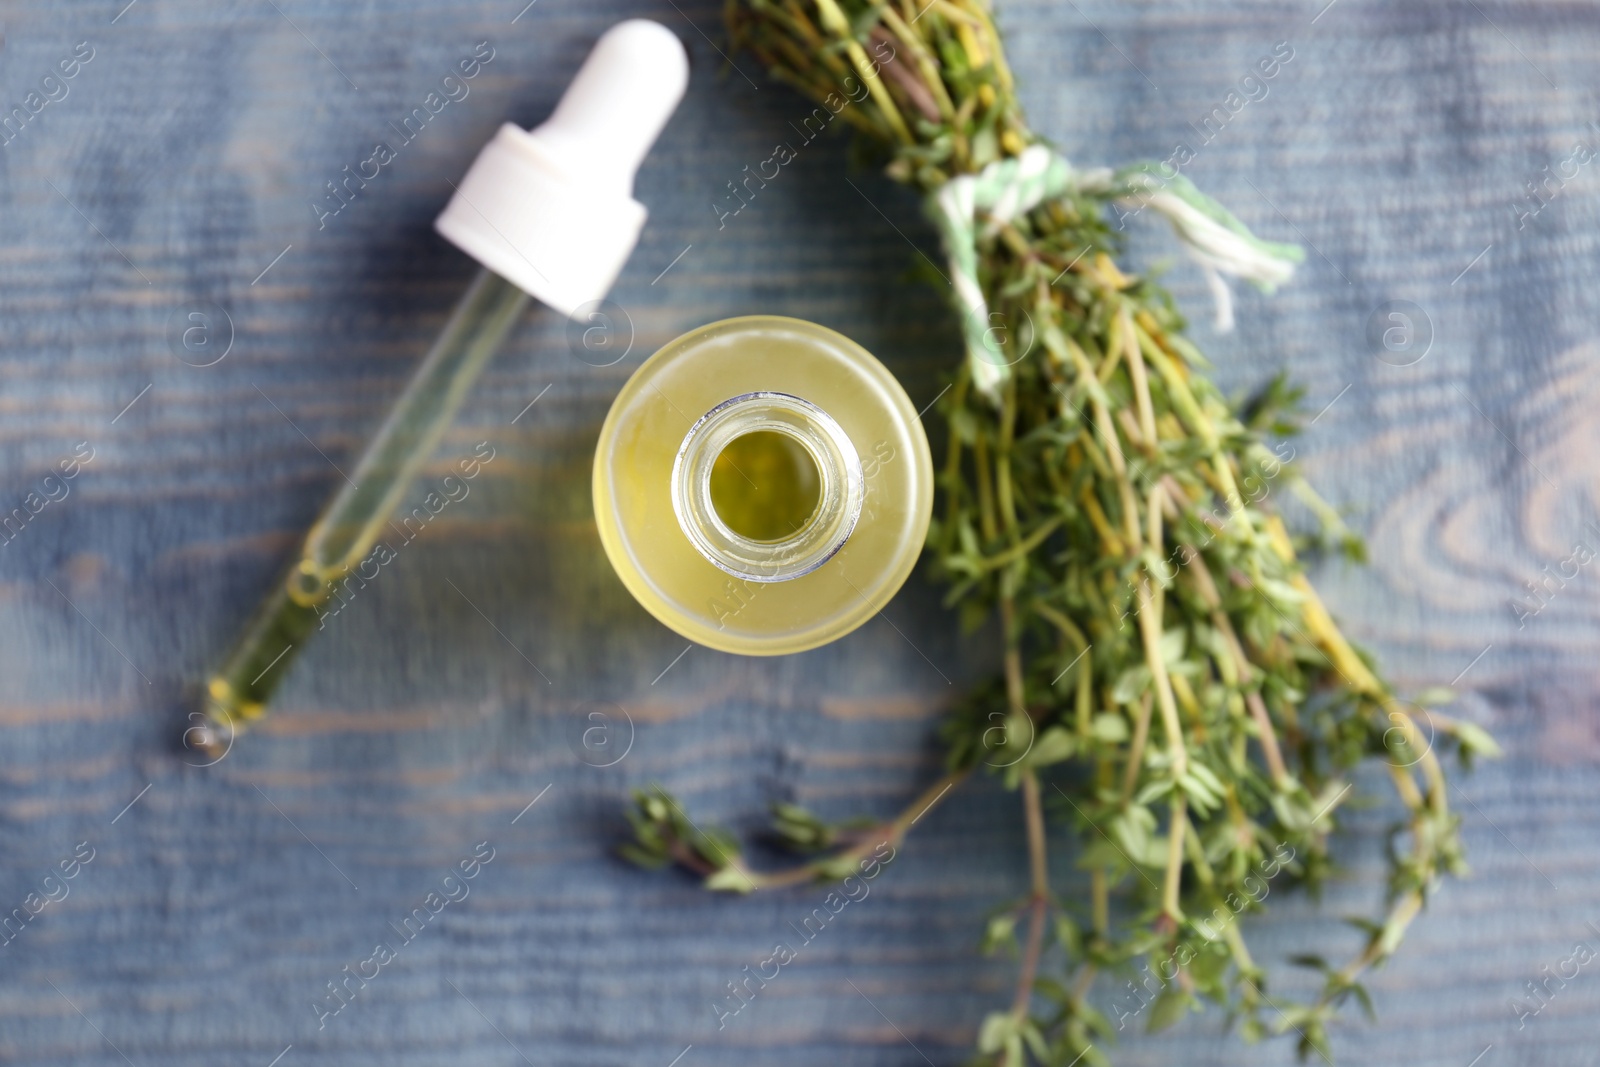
x=180, y=168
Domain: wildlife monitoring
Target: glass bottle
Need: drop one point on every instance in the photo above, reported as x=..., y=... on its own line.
x=763, y=485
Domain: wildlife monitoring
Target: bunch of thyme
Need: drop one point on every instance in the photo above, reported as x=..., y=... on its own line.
x=1166, y=664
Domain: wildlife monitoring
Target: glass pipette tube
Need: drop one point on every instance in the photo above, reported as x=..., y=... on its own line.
x=237, y=694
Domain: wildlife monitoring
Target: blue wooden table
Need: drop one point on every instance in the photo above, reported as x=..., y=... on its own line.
x=181, y=168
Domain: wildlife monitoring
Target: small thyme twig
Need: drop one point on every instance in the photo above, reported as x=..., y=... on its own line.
x=663, y=834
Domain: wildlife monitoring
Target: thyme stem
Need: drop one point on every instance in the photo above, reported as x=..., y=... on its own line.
x=893, y=832
x=1038, y=898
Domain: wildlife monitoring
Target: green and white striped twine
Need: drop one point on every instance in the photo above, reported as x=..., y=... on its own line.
x=1009, y=188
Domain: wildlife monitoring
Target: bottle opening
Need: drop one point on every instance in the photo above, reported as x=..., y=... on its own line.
x=765, y=486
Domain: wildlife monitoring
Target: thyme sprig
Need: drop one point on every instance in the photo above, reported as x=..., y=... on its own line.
x=1166, y=663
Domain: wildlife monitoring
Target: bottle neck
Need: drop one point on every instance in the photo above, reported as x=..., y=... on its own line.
x=838, y=467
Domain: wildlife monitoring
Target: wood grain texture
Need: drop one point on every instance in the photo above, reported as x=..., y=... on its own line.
x=185, y=158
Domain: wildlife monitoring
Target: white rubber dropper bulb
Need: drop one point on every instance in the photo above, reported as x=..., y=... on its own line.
x=617, y=103
x=552, y=209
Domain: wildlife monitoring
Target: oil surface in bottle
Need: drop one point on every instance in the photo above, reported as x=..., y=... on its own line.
x=765, y=485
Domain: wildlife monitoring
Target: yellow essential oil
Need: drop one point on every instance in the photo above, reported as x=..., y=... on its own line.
x=763, y=485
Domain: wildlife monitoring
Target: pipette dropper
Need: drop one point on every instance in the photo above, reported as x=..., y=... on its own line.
x=550, y=214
